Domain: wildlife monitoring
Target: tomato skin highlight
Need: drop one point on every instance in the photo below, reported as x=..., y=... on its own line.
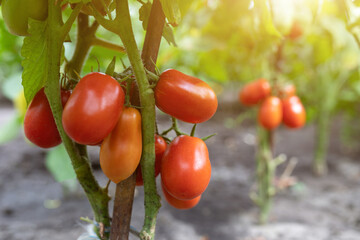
x=294, y=114
x=160, y=147
x=270, y=113
x=39, y=124
x=254, y=92
x=120, y=152
x=180, y=204
x=93, y=108
x=186, y=168
x=16, y=14
x=184, y=97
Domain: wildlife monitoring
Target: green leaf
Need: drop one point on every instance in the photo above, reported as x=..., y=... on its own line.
x=10, y=130
x=356, y=2
x=168, y=34
x=59, y=164
x=34, y=51
x=184, y=6
x=263, y=6
x=172, y=11
x=111, y=68
x=144, y=14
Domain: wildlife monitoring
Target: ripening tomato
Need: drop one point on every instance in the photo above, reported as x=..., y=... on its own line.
x=120, y=152
x=160, y=147
x=39, y=123
x=185, y=97
x=93, y=109
x=287, y=90
x=270, y=113
x=186, y=168
x=296, y=31
x=17, y=12
x=180, y=204
x=254, y=92
x=294, y=115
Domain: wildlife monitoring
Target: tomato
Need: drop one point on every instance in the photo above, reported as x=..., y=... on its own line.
x=160, y=147
x=270, y=113
x=254, y=92
x=287, y=90
x=294, y=115
x=120, y=152
x=98, y=6
x=296, y=31
x=186, y=168
x=180, y=204
x=39, y=123
x=17, y=12
x=93, y=108
x=185, y=97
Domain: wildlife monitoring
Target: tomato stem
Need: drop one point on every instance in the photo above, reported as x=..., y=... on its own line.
x=193, y=130
x=175, y=127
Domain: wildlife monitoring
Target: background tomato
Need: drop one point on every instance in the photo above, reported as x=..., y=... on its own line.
x=160, y=147
x=186, y=168
x=93, y=108
x=254, y=92
x=294, y=115
x=120, y=152
x=296, y=31
x=39, y=123
x=270, y=113
x=17, y=12
x=180, y=204
x=287, y=90
x=185, y=97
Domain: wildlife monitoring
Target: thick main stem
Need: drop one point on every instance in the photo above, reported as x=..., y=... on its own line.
x=97, y=196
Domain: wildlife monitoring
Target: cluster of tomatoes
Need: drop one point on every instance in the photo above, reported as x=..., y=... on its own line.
x=286, y=107
x=95, y=114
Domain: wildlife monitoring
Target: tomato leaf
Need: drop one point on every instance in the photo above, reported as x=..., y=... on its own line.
x=59, y=164
x=10, y=130
x=168, y=34
x=111, y=68
x=144, y=14
x=34, y=51
x=263, y=6
x=172, y=11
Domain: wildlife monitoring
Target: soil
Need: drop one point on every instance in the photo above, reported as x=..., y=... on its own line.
x=34, y=206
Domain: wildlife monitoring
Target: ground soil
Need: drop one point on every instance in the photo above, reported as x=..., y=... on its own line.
x=326, y=208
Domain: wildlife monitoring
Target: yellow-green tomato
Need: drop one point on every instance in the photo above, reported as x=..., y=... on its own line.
x=16, y=14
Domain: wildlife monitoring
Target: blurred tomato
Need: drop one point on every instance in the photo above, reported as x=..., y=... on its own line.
x=254, y=92
x=294, y=115
x=270, y=113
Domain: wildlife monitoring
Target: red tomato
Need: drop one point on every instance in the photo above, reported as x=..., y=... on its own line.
x=294, y=115
x=120, y=152
x=160, y=147
x=180, y=204
x=287, y=90
x=185, y=97
x=39, y=123
x=93, y=108
x=254, y=92
x=270, y=113
x=186, y=168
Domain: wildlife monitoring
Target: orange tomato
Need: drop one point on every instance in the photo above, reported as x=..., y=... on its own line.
x=180, y=204
x=120, y=152
x=296, y=31
x=254, y=92
x=270, y=113
x=294, y=115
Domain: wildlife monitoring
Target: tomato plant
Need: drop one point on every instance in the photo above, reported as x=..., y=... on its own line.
x=254, y=92
x=99, y=6
x=185, y=97
x=180, y=204
x=17, y=12
x=39, y=123
x=186, y=168
x=93, y=108
x=294, y=115
x=270, y=113
x=160, y=147
x=120, y=152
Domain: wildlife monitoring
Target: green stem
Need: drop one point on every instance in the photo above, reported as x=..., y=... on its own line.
x=97, y=196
